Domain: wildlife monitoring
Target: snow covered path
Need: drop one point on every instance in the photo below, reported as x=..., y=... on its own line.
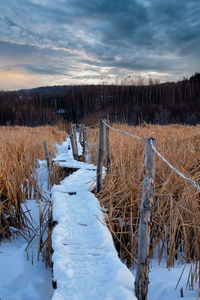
x=86, y=264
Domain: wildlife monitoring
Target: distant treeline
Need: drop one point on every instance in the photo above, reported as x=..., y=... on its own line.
x=156, y=103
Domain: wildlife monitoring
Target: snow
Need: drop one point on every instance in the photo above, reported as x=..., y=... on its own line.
x=163, y=282
x=86, y=264
x=19, y=279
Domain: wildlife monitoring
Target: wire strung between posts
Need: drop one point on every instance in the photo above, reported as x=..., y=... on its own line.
x=85, y=127
x=174, y=169
x=153, y=147
x=124, y=132
x=91, y=126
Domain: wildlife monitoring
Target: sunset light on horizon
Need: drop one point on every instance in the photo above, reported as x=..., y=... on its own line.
x=71, y=42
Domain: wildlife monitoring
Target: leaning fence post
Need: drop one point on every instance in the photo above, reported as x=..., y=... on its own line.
x=46, y=154
x=48, y=164
x=71, y=135
x=80, y=134
x=75, y=140
x=142, y=278
x=107, y=149
x=100, y=155
x=84, y=138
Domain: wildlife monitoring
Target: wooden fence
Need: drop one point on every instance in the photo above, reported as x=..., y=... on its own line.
x=142, y=278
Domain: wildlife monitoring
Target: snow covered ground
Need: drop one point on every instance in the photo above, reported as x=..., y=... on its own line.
x=86, y=265
x=163, y=282
x=19, y=279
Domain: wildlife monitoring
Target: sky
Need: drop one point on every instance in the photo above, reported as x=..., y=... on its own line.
x=62, y=42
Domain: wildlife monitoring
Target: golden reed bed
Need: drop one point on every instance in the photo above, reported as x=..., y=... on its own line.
x=20, y=147
x=175, y=230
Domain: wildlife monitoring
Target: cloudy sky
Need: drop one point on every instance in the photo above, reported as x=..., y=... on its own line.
x=56, y=42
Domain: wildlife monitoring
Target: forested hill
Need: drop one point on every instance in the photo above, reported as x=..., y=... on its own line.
x=156, y=103
x=56, y=90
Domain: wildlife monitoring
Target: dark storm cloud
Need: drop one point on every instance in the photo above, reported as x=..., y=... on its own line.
x=136, y=35
x=37, y=69
x=137, y=64
x=117, y=20
x=8, y=50
x=179, y=23
x=133, y=31
x=12, y=49
x=49, y=70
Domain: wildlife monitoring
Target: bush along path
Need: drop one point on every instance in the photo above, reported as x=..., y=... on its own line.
x=85, y=261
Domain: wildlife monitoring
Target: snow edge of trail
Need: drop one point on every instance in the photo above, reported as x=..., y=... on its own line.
x=85, y=262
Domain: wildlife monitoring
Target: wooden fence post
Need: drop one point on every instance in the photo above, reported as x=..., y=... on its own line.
x=107, y=149
x=142, y=277
x=80, y=134
x=100, y=156
x=75, y=140
x=71, y=135
x=84, y=138
x=46, y=154
x=48, y=165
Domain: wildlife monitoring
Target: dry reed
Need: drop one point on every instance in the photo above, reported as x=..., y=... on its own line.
x=20, y=147
x=175, y=230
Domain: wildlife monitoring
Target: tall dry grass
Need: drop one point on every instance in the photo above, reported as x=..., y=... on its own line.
x=20, y=147
x=175, y=230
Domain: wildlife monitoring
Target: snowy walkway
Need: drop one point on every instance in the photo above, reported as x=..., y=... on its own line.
x=86, y=264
